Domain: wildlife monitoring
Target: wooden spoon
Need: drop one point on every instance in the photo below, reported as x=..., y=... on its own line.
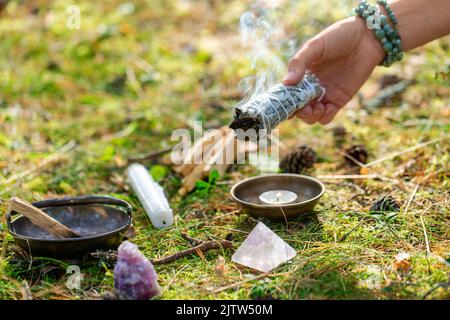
x=41, y=219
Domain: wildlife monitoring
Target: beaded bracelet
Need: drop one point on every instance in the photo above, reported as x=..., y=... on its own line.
x=389, y=37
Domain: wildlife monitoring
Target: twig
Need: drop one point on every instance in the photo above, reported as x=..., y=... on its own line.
x=425, y=230
x=356, y=161
x=399, y=153
x=425, y=235
x=192, y=241
x=351, y=230
x=149, y=156
x=349, y=184
x=348, y=176
x=411, y=197
x=386, y=94
x=54, y=157
x=172, y=280
x=285, y=218
x=109, y=255
x=203, y=247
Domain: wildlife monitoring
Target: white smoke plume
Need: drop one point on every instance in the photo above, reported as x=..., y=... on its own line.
x=264, y=40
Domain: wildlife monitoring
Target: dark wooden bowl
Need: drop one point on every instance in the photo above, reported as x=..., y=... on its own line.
x=246, y=194
x=101, y=221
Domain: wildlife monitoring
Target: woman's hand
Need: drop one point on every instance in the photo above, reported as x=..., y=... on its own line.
x=342, y=56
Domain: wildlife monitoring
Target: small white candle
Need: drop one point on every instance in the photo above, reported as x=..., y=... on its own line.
x=151, y=196
x=277, y=196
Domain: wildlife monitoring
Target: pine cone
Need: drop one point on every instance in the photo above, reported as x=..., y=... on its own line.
x=299, y=161
x=385, y=204
x=357, y=152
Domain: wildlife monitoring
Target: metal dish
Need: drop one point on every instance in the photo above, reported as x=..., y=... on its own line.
x=100, y=220
x=247, y=194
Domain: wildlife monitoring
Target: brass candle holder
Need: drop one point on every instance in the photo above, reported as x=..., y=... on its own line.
x=278, y=196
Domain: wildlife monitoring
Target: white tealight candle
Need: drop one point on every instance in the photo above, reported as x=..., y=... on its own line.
x=277, y=196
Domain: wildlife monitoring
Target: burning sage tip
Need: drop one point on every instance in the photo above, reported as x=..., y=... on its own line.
x=267, y=110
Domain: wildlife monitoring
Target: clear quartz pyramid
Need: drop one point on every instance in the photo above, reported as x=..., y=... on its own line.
x=263, y=250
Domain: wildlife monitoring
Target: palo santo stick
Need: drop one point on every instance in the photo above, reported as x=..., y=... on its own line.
x=41, y=219
x=199, y=171
x=220, y=155
x=195, y=154
x=209, y=153
x=189, y=181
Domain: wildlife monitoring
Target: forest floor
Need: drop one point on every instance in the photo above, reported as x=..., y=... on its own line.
x=77, y=104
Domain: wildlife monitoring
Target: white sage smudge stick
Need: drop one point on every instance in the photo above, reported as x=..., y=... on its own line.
x=267, y=110
x=151, y=196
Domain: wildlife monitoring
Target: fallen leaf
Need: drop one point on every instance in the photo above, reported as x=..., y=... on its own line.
x=3, y=164
x=402, y=262
x=220, y=268
x=119, y=161
x=364, y=171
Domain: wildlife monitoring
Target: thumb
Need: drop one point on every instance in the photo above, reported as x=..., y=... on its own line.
x=297, y=66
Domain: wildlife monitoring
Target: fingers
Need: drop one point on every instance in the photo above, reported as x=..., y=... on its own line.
x=322, y=113
x=311, y=114
x=301, y=61
x=330, y=112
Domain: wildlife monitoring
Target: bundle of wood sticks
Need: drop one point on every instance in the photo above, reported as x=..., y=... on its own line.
x=216, y=150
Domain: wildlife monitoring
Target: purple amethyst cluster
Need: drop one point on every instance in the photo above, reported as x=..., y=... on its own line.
x=134, y=274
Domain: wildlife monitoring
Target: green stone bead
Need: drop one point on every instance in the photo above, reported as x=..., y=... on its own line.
x=387, y=35
x=391, y=34
x=379, y=34
x=387, y=46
